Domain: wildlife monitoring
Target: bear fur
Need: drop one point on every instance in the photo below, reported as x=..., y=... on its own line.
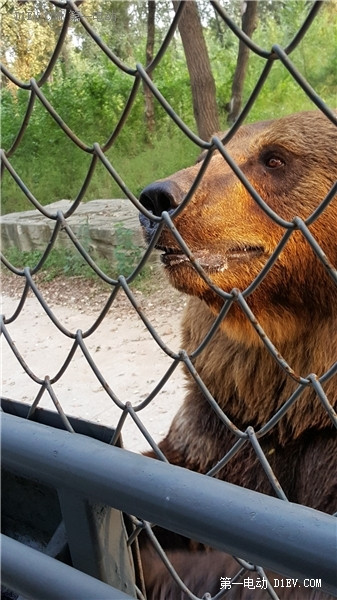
x=291, y=163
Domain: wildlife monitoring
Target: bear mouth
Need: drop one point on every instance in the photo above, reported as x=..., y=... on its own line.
x=209, y=260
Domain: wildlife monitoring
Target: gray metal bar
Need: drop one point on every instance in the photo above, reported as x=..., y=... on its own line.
x=97, y=541
x=39, y=577
x=288, y=538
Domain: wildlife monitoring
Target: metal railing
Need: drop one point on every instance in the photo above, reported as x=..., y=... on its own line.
x=158, y=492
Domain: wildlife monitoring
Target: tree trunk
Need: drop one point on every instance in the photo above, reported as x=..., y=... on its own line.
x=249, y=18
x=149, y=99
x=198, y=64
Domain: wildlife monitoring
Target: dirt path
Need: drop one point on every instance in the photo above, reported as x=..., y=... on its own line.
x=122, y=348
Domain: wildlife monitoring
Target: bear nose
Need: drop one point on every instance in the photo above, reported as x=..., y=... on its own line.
x=161, y=196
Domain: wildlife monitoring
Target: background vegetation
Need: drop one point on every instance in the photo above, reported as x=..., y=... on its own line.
x=89, y=92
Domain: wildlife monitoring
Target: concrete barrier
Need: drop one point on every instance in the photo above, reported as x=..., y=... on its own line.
x=98, y=224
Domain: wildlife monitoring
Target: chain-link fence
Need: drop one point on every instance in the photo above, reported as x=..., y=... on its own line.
x=187, y=503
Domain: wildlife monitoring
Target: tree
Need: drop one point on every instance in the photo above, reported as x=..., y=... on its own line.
x=29, y=33
x=149, y=100
x=198, y=64
x=249, y=22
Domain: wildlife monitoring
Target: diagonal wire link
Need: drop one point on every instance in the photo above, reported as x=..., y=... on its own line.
x=138, y=76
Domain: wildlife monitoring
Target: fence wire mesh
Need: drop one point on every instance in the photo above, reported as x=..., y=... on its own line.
x=122, y=284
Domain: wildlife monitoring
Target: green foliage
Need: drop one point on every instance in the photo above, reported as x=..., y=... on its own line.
x=68, y=262
x=61, y=261
x=127, y=253
x=315, y=58
x=52, y=167
x=127, y=256
x=20, y=259
x=90, y=93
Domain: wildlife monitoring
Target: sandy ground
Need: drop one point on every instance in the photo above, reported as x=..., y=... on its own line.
x=122, y=348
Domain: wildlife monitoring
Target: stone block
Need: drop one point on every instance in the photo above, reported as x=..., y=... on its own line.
x=99, y=225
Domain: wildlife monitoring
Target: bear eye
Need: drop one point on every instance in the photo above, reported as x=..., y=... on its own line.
x=274, y=162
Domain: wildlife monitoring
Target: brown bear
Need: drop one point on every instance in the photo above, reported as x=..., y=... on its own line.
x=291, y=164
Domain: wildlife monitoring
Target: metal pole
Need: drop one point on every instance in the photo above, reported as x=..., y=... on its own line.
x=39, y=577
